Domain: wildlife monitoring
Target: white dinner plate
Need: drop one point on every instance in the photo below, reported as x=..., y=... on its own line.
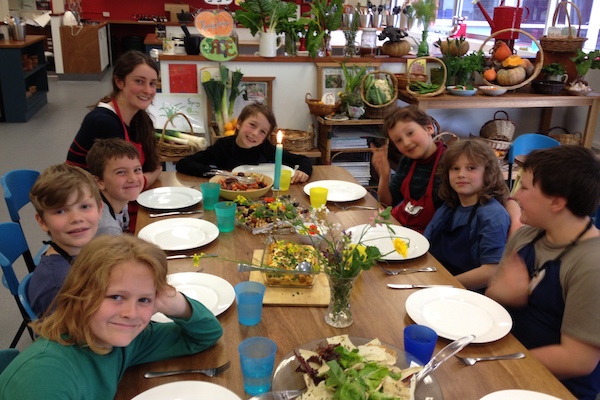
x=514, y=394
x=179, y=233
x=380, y=237
x=339, y=190
x=187, y=390
x=454, y=313
x=214, y=292
x=168, y=198
x=267, y=169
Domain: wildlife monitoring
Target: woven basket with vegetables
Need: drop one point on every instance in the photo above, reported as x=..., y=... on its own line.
x=417, y=87
x=379, y=92
x=172, y=143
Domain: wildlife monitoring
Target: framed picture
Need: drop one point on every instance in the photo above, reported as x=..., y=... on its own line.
x=253, y=90
x=330, y=77
x=165, y=105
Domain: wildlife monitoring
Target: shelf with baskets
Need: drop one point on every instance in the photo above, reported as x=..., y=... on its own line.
x=356, y=158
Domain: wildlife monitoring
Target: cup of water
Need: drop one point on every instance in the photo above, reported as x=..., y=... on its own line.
x=249, y=297
x=257, y=359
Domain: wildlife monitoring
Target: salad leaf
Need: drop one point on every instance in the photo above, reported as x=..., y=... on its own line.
x=351, y=391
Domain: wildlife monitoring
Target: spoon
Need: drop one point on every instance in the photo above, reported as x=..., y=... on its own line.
x=303, y=267
x=443, y=355
x=241, y=179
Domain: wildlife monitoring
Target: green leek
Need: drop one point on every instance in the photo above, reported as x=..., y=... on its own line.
x=214, y=91
x=236, y=79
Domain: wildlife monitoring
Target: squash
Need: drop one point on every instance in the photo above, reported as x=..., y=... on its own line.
x=456, y=47
x=396, y=49
x=528, y=67
x=501, y=51
x=213, y=24
x=510, y=77
x=512, y=61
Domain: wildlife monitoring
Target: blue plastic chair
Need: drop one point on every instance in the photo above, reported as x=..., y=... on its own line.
x=13, y=246
x=23, y=291
x=17, y=184
x=6, y=356
x=525, y=144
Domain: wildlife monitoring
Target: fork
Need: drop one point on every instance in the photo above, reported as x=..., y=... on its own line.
x=407, y=270
x=472, y=360
x=208, y=372
x=344, y=208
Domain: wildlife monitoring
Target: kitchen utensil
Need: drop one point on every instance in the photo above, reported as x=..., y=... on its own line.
x=472, y=360
x=444, y=354
x=166, y=214
x=410, y=286
x=208, y=372
x=407, y=270
x=185, y=30
x=280, y=395
x=344, y=208
x=241, y=179
x=303, y=267
x=180, y=256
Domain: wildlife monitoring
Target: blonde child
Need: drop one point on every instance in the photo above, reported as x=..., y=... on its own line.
x=115, y=165
x=412, y=190
x=101, y=325
x=248, y=146
x=68, y=207
x=468, y=233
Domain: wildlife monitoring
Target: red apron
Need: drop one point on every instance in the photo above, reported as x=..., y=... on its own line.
x=138, y=146
x=416, y=214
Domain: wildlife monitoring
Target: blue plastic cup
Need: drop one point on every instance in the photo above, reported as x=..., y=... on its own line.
x=210, y=194
x=249, y=297
x=419, y=341
x=257, y=358
x=225, y=211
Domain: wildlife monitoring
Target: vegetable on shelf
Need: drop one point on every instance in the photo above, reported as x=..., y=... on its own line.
x=222, y=94
x=378, y=91
x=181, y=138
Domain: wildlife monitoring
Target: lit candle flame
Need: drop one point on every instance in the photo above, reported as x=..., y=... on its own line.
x=279, y=137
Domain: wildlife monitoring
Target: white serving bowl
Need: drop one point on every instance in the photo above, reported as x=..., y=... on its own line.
x=492, y=90
x=459, y=91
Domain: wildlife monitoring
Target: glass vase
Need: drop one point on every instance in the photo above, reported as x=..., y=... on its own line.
x=339, y=314
x=291, y=49
x=423, y=49
x=325, y=50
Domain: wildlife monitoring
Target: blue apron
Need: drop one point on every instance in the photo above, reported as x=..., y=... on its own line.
x=539, y=323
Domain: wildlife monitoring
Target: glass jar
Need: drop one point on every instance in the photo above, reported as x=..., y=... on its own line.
x=368, y=41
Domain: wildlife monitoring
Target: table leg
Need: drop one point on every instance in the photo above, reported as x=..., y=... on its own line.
x=590, y=124
x=546, y=119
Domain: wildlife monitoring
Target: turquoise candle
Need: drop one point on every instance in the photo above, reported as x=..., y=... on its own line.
x=278, y=160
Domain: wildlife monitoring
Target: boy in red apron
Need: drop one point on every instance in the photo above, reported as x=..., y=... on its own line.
x=412, y=190
x=549, y=275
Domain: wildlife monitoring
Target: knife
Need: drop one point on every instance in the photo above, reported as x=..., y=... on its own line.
x=279, y=395
x=165, y=214
x=409, y=286
x=178, y=256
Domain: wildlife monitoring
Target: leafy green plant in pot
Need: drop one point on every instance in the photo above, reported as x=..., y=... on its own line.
x=583, y=63
x=325, y=17
x=554, y=72
x=460, y=69
x=353, y=77
x=425, y=13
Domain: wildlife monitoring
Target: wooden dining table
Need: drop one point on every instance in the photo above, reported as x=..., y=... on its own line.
x=379, y=312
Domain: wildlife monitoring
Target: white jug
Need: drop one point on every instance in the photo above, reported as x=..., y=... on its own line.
x=269, y=43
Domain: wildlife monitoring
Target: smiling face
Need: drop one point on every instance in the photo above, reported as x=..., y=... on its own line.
x=122, y=181
x=467, y=179
x=252, y=131
x=535, y=205
x=138, y=88
x=127, y=306
x=412, y=139
x=74, y=224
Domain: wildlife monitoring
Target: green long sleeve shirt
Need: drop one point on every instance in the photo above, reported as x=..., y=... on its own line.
x=48, y=370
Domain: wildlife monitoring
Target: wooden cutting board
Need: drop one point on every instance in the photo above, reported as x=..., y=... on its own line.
x=317, y=296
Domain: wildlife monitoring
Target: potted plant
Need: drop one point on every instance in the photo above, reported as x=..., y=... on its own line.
x=555, y=72
x=460, y=69
x=583, y=63
x=425, y=12
x=351, y=97
x=325, y=17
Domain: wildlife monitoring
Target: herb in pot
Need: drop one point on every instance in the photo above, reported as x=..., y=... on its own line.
x=554, y=69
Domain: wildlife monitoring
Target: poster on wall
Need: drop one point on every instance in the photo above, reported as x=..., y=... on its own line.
x=166, y=105
x=183, y=78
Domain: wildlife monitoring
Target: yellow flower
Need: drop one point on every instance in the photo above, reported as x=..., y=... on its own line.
x=401, y=247
x=196, y=259
x=361, y=251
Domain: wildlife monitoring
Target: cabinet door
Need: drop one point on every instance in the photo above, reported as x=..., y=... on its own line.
x=103, y=44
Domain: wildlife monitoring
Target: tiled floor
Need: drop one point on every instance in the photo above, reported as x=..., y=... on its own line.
x=36, y=144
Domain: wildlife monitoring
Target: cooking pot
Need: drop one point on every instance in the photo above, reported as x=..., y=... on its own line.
x=192, y=44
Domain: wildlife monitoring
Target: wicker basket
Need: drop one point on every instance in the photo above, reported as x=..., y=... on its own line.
x=567, y=44
x=446, y=137
x=166, y=149
x=317, y=107
x=379, y=111
x=295, y=140
x=498, y=145
x=498, y=129
x=442, y=87
x=565, y=137
x=538, y=65
x=403, y=79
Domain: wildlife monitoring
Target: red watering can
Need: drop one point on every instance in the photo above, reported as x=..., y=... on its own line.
x=505, y=17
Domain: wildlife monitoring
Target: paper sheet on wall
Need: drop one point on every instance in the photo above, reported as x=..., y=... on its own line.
x=165, y=105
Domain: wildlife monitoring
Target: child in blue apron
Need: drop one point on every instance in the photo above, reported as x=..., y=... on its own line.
x=468, y=233
x=549, y=275
x=412, y=190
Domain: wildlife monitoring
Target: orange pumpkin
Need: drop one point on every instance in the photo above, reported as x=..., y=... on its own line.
x=489, y=75
x=501, y=51
x=212, y=24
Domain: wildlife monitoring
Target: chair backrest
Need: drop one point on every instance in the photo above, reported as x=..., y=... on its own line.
x=24, y=298
x=17, y=184
x=12, y=246
x=526, y=143
x=6, y=356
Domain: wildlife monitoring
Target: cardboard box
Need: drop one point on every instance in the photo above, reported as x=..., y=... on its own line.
x=174, y=8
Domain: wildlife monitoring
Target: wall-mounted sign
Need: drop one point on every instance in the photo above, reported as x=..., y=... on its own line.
x=219, y=48
x=211, y=24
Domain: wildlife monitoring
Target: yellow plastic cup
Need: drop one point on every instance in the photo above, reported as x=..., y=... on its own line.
x=285, y=180
x=318, y=196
